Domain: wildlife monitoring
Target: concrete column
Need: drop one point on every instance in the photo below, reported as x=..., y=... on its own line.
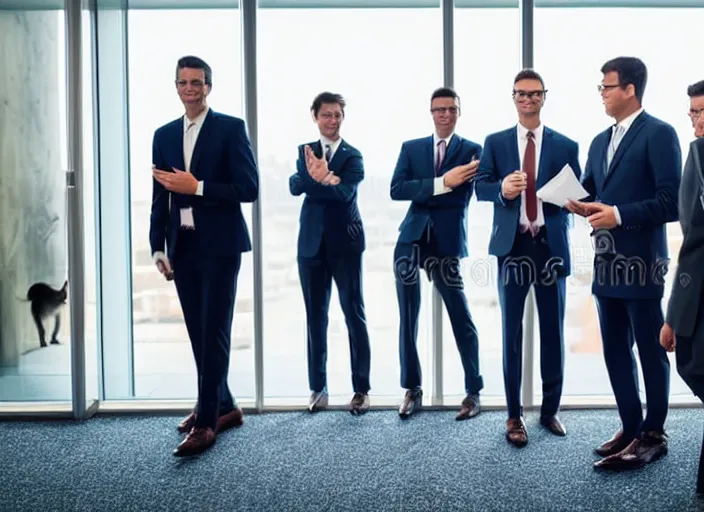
x=32, y=179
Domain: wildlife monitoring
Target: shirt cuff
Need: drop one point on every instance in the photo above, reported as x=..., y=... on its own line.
x=617, y=215
x=439, y=186
x=159, y=256
x=199, y=190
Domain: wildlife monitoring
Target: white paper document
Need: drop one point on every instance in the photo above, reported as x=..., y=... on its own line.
x=187, y=218
x=562, y=187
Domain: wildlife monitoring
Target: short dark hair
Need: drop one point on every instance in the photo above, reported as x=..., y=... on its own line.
x=190, y=61
x=327, y=97
x=696, y=89
x=445, y=92
x=631, y=70
x=529, y=74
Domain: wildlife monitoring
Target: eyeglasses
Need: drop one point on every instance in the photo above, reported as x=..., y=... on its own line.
x=604, y=87
x=532, y=95
x=695, y=113
x=330, y=115
x=442, y=110
x=196, y=84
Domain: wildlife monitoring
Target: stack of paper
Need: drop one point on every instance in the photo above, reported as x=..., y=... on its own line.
x=562, y=187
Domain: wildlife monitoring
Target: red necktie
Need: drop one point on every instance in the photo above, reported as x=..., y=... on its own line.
x=529, y=169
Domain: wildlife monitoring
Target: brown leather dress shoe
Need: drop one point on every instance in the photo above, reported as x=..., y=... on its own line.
x=470, y=408
x=643, y=450
x=187, y=423
x=613, y=445
x=232, y=419
x=197, y=441
x=554, y=425
x=516, y=432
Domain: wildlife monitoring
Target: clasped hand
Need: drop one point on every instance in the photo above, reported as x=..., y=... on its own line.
x=599, y=215
x=460, y=174
x=513, y=184
x=179, y=181
x=318, y=169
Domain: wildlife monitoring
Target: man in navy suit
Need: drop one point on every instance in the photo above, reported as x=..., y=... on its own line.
x=330, y=246
x=435, y=174
x=203, y=170
x=633, y=176
x=530, y=240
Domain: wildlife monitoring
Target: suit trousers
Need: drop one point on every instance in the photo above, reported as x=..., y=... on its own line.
x=316, y=275
x=206, y=287
x=529, y=265
x=445, y=272
x=623, y=322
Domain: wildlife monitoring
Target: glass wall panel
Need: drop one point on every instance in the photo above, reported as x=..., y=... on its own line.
x=574, y=108
x=35, y=361
x=163, y=361
x=386, y=63
x=483, y=80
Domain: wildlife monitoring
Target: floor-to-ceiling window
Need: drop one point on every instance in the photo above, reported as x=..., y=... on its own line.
x=35, y=350
x=386, y=63
x=161, y=354
x=569, y=56
x=486, y=60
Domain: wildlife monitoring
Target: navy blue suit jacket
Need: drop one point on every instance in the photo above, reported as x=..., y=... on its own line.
x=413, y=180
x=330, y=210
x=223, y=160
x=642, y=181
x=500, y=159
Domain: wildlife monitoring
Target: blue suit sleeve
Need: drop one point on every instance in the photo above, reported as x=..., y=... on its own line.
x=665, y=162
x=243, y=182
x=403, y=187
x=159, y=217
x=588, y=178
x=352, y=174
x=488, y=181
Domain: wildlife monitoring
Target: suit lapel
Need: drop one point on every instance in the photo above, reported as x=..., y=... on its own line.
x=429, y=156
x=452, y=149
x=543, y=166
x=512, y=142
x=339, y=157
x=201, y=142
x=176, y=141
x=623, y=146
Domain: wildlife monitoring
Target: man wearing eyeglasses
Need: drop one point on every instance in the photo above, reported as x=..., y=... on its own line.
x=330, y=246
x=683, y=330
x=203, y=169
x=436, y=174
x=633, y=176
x=696, y=107
x=530, y=240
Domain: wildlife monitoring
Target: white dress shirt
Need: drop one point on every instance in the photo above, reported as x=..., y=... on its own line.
x=522, y=133
x=625, y=124
x=439, y=182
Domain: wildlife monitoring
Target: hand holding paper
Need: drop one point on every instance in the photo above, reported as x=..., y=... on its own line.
x=562, y=187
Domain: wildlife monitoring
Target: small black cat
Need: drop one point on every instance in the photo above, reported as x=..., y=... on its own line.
x=47, y=302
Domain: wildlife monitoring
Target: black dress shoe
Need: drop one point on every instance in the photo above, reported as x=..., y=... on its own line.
x=554, y=425
x=643, y=450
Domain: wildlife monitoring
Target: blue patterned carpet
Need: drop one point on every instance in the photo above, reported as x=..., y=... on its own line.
x=333, y=461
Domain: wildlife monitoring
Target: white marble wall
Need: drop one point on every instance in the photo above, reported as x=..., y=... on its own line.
x=32, y=179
